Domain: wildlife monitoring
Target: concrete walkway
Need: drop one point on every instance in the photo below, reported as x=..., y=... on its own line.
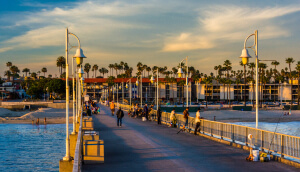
x=146, y=146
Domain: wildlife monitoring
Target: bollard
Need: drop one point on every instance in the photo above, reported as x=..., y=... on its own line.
x=38, y=121
x=214, y=118
x=45, y=121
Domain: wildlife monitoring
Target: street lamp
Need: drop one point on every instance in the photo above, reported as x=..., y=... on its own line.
x=245, y=55
x=180, y=72
x=67, y=157
x=130, y=90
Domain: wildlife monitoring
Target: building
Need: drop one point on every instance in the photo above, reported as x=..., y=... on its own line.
x=176, y=92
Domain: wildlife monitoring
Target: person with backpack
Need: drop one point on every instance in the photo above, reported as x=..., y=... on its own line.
x=159, y=116
x=120, y=115
x=186, y=116
x=197, y=121
x=146, y=111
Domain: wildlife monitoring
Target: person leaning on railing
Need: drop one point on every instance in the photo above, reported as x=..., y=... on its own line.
x=197, y=121
x=173, y=118
x=186, y=116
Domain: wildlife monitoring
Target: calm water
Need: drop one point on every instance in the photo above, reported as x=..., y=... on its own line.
x=26, y=147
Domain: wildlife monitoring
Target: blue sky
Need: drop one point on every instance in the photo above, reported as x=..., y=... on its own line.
x=153, y=32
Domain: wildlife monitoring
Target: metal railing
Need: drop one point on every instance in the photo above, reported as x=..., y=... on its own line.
x=78, y=150
x=282, y=144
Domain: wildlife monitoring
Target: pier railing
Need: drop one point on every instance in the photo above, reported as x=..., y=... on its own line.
x=78, y=150
x=281, y=144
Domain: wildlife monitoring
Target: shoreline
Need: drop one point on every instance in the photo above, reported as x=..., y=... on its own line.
x=53, y=116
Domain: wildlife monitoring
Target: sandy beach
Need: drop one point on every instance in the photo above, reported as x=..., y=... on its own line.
x=53, y=116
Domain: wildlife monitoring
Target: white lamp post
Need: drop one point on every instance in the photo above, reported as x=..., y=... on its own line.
x=157, y=91
x=180, y=73
x=245, y=55
x=67, y=157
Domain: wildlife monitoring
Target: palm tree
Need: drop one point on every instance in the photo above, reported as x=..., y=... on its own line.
x=148, y=69
x=252, y=66
x=44, y=70
x=14, y=70
x=60, y=62
x=290, y=60
x=94, y=69
x=103, y=71
x=175, y=70
x=87, y=68
x=8, y=74
x=111, y=66
x=26, y=70
x=8, y=64
x=227, y=67
x=33, y=74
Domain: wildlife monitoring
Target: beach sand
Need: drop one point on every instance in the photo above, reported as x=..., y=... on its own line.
x=53, y=116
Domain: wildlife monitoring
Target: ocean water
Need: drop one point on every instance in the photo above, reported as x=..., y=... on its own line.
x=290, y=128
x=26, y=147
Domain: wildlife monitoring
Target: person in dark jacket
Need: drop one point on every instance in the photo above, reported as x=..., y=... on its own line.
x=120, y=115
x=159, y=116
x=88, y=111
x=146, y=111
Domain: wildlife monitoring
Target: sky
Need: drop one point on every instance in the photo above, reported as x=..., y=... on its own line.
x=154, y=32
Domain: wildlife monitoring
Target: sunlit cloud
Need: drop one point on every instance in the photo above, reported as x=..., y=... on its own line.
x=230, y=23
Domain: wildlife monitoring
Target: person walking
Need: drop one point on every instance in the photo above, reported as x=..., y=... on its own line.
x=112, y=108
x=120, y=115
x=197, y=121
x=173, y=118
x=186, y=116
x=146, y=111
x=159, y=116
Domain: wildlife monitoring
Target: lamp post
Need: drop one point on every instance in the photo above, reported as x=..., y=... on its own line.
x=78, y=56
x=157, y=91
x=130, y=90
x=137, y=84
x=141, y=89
x=180, y=72
x=245, y=55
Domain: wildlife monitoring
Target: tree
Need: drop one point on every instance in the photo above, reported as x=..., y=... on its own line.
x=103, y=71
x=44, y=70
x=14, y=70
x=8, y=74
x=33, y=74
x=245, y=81
x=289, y=61
x=8, y=64
x=60, y=63
x=94, y=69
x=111, y=66
x=87, y=68
x=26, y=70
x=227, y=67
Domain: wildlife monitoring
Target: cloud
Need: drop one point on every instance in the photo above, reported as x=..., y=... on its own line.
x=91, y=18
x=230, y=23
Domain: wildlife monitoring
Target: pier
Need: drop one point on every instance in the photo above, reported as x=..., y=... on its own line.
x=147, y=146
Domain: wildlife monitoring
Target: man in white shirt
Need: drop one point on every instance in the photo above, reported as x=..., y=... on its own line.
x=197, y=121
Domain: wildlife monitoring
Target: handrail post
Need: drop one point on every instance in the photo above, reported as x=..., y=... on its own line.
x=222, y=128
x=246, y=137
x=282, y=145
x=262, y=141
x=232, y=133
x=211, y=129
